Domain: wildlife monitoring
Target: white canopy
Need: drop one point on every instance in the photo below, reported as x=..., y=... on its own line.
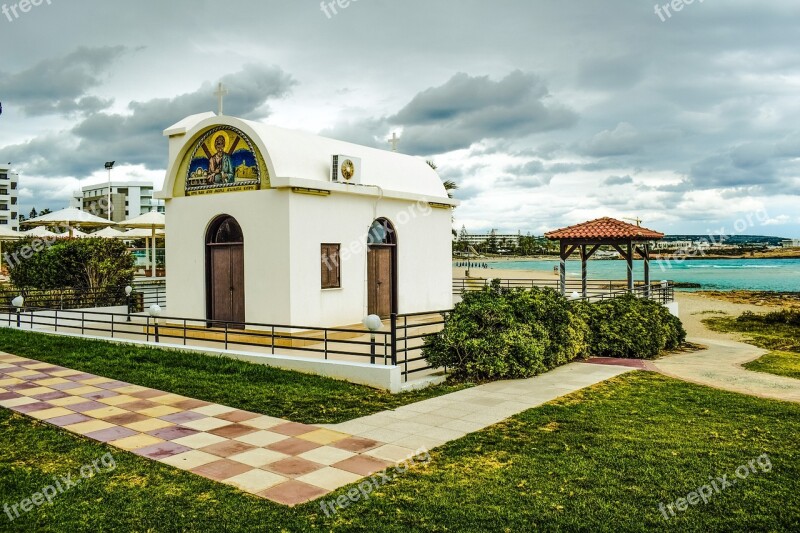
x=150, y=220
x=107, y=233
x=7, y=234
x=41, y=231
x=72, y=217
x=140, y=233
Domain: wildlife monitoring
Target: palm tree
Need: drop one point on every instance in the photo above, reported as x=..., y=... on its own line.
x=449, y=185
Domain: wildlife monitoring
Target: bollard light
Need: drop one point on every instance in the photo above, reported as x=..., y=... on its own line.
x=128, y=291
x=155, y=312
x=373, y=323
x=19, y=302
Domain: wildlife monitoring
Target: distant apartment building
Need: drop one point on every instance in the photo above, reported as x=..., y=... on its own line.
x=791, y=243
x=476, y=239
x=9, y=191
x=128, y=200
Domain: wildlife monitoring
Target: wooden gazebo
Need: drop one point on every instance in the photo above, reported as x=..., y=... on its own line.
x=627, y=239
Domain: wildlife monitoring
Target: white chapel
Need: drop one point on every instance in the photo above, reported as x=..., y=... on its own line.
x=267, y=225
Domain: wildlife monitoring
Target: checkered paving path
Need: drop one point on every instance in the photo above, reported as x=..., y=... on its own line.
x=282, y=461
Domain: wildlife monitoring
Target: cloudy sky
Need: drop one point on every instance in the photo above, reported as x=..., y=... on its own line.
x=545, y=112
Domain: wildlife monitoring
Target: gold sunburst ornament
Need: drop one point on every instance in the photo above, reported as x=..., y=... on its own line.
x=348, y=170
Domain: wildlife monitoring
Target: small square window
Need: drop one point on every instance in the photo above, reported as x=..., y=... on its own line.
x=331, y=266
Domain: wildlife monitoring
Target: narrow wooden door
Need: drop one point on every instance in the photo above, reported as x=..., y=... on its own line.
x=227, y=283
x=379, y=281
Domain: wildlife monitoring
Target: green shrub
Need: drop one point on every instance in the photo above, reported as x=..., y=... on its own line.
x=35, y=263
x=496, y=334
x=631, y=327
x=787, y=317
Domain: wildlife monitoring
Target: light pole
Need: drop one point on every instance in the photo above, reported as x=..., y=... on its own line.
x=18, y=303
x=128, y=291
x=109, y=166
x=372, y=323
x=155, y=312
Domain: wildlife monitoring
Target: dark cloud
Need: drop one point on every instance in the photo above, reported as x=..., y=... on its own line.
x=618, y=180
x=466, y=110
x=135, y=138
x=60, y=85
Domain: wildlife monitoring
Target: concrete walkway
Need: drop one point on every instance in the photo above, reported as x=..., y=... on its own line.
x=286, y=462
x=720, y=366
x=434, y=422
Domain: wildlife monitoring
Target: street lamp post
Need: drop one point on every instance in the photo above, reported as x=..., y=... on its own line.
x=109, y=166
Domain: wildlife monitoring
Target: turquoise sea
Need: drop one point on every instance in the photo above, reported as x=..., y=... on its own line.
x=782, y=275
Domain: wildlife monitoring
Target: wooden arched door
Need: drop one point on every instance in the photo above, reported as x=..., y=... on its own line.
x=382, y=269
x=225, y=272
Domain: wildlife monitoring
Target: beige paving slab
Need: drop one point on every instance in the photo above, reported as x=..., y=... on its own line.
x=329, y=478
x=190, y=459
x=256, y=481
x=258, y=457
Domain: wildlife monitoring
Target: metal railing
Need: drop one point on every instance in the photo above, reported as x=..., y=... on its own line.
x=409, y=332
x=171, y=331
x=595, y=289
x=145, y=294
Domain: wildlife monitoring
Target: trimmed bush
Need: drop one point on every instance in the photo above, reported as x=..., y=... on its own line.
x=498, y=334
x=35, y=263
x=631, y=327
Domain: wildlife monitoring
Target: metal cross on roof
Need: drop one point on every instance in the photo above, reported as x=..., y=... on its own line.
x=221, y=93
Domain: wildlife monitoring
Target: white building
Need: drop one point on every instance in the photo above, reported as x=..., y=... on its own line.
x=9, y=207
x=129, y=200
x=275, y=226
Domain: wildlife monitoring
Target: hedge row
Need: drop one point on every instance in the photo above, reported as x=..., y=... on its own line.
x=501, y=333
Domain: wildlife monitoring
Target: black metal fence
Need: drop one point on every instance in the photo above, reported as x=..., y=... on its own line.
x=143, y=295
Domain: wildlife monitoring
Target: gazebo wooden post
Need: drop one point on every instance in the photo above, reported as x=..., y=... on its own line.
x=646, y=250
x=562, y=269
x=584, y=271
x=630, y=266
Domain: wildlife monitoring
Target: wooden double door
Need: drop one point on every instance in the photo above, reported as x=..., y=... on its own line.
x=381, y=280
x=226, y=265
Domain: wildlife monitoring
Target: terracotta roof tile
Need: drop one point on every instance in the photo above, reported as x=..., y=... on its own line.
x=604, y=228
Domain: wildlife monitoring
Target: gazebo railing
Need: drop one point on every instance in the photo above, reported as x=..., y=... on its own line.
x=595, y=289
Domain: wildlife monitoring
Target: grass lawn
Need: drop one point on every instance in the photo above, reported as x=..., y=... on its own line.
x=257, y=388
x=782, y=338
x=598, y=460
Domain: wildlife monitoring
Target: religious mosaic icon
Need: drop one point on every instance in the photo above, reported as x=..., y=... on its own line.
x=223, y=160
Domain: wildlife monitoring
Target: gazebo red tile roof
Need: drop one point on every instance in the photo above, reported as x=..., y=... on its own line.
x=605, y=229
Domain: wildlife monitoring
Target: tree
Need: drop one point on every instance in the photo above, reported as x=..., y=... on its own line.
x=33, y=213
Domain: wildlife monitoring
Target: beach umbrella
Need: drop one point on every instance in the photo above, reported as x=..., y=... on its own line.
x=152, y=221
x=41, y=232
x=7, y=234
x=70, y=218
x=107, y=233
